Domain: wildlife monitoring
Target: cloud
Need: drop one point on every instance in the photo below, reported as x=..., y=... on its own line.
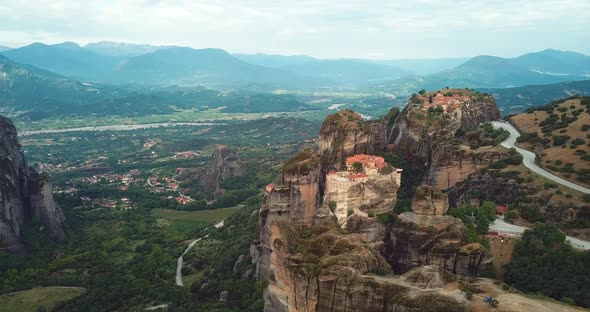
x=327, y=28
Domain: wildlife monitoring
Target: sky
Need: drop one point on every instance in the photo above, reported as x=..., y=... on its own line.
x=376, y=29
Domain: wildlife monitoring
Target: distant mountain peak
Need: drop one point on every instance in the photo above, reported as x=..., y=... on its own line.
x=67, y=45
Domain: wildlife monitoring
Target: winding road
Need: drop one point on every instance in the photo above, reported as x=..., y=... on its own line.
x=502, y=226
x=528, y=158
x=179, y=261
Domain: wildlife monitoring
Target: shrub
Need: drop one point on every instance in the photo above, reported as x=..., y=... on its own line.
x=549, y=185
x=332, y=204
x=513, y=214
x=371, y=214
x=560, y=140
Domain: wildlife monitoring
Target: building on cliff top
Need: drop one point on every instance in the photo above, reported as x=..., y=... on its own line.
x=350, y=189
x=446, y=102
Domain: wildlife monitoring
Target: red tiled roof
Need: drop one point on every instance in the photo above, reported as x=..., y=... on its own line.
x=501, y=208
x=357, y=176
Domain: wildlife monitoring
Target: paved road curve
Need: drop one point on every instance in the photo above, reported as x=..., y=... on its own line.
x=179, y=261
x=528, y=158
x=501, y=226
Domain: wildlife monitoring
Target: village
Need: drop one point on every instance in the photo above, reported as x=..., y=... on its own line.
x=447, y=102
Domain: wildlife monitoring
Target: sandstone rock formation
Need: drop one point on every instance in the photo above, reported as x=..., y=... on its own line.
x=336, y=272
x=429, y=200
x=294, y=197
x=224, y=164
x=427, y=237
x=25, y=195
x=425, y=136
x=312, y=264
x=487, y=185
x=342, y=135
x=418, y=240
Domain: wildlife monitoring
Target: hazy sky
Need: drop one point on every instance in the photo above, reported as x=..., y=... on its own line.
x=330, y=28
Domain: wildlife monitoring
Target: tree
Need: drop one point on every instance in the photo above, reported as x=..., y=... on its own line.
x=422, y=92
x=512, y=214
x=357, y=166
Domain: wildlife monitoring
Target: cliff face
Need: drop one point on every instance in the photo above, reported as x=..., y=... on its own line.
x=335, y=272
x=425, y=133
x=25, y=196
x=427, y=237
x=505, y=190
x=375, y=193
x=294, y=197
x=311, y=264
x=342, y=135
x=224, y=164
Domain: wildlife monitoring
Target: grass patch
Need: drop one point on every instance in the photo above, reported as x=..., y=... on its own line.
x=187, y=220
x=30, y=300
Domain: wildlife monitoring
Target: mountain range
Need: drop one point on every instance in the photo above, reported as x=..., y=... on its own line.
x=122, y=63
x=31, y=93
x=529, y=69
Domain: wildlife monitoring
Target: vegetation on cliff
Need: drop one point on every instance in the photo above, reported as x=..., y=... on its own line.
x=305, y=161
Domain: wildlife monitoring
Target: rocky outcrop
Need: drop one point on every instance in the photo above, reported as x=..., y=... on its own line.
x=429, y=200
x=294, y=197
x=335, y=272
x=426, y=136
x=26, y=197
x=342, y=135
x=488, y=185
x=418, y=240
x=496, y=189
x=224, y=164
x=427, y=237
x=454, y=162
x=313, y=264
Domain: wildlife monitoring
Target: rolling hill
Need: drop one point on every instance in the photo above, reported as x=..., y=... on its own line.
x=68, y=59
x=495, y=72
x=27, y=92
x=211, y=67
x=516, y=100
x=555, y=62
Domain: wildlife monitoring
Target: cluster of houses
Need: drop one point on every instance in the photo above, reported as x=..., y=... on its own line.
x=159, y=185
x=447, y=102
